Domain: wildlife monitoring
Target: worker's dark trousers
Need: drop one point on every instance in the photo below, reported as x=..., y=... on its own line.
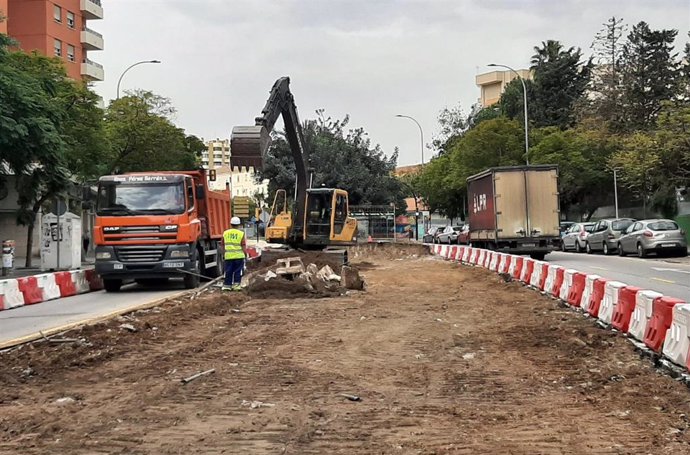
x=233, y=271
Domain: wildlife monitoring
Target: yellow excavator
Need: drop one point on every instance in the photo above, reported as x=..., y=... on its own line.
x=320, y=216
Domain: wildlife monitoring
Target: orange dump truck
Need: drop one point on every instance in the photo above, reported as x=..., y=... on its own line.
x=156, y=225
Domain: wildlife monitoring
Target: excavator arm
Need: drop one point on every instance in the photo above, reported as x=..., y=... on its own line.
x=249, y=144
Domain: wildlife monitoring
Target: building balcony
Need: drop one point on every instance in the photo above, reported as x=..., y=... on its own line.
x=92, y=71
x=91, y=9
x=91, y=40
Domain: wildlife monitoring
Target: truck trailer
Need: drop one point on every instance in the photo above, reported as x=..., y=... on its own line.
x=515, y=210
x=156, y=225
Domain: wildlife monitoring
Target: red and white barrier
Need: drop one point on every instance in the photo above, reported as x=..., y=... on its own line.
x=466, y=254
x=610, y=300
x=506, y=262
x=527, y=269
x=81, y=284
x=677, y=340
x=659, y=323
x=48, y=285
x=643, y=311
x=535, y=279
x=589, y=290
x=475, y=256
x=493, y=264
x=624, y=310
x=567, y=284
x=551, y=276
x=10, y=295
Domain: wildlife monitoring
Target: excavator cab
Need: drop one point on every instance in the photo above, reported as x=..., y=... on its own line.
x=319, y=216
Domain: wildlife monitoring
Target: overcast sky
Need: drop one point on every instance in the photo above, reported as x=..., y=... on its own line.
x=370, y=59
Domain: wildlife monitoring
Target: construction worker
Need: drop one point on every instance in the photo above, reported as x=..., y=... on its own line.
x=235, y=245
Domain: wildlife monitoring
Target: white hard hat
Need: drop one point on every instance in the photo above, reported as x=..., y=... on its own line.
x=235, y=221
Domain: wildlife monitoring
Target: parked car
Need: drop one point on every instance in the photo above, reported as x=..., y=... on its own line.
x=449, y=234
x=565, y=227
x=464, y=235
x=576, y=236
x=430, y=236
x=658, y=236
x=604, y=237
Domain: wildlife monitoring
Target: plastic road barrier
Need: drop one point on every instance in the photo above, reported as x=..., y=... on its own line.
x=624, y=310
x=11, y=296
x=596, y=297
x=589, y=289
x=642, y=313
x=577, y=287
x=611, y=294
x=677, y=339
x=659, y=323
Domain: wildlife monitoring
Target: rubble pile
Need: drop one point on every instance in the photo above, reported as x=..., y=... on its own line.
x=290, y=277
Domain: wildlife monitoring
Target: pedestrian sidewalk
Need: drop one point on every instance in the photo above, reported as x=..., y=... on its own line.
x=20, y=271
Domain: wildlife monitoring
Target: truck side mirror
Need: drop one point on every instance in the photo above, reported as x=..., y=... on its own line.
x=200, y=192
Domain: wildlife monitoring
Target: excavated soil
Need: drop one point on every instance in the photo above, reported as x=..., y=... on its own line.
x=442, y=359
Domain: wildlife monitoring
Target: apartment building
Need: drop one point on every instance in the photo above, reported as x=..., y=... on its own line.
x=217, y=154
x=58, y=28
x=493, y=83
x=3, y=16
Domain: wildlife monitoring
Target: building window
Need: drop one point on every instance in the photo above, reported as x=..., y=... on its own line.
x=70, y=19
x=70, y=52
x=58, y=48
x=57, y=13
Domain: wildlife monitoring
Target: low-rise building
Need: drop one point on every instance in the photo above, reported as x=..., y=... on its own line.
x=492, y=84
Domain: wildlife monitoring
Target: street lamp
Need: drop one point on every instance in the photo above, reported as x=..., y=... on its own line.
x=421, y=133
x=524, y=93
x=129, y=68
x=615, y=189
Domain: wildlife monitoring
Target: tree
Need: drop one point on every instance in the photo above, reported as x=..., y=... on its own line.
x=560, y=80
x=452, y=123
x=650, y=75
x=32, y=146
x=604, y=103
x=340, y=159
x=143, y=137
x=585, y=182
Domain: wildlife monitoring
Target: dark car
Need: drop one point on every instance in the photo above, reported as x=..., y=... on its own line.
x=430, y=236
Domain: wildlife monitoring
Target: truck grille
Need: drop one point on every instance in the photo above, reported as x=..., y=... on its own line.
x=133, y=254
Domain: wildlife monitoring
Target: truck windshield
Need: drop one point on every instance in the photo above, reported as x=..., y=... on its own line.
x=121, y=199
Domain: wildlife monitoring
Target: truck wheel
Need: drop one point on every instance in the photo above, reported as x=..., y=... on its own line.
x=111, y=285
x=538, y=256
x=192, y=281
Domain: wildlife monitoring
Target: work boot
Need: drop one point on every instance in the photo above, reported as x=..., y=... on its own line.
x=236, y=287
x=226, y=288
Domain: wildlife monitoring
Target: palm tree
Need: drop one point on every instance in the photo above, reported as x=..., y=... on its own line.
x=549, y=51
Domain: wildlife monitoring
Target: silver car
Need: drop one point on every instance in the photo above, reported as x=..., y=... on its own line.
x=658, y=236
x=604, y=236
x=576, y=236
x=449, y=234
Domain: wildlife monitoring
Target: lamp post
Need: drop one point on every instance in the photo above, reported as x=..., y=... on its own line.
x=129, y=68
x=421, y=133
x=421, y=136
x=615, y=189
x=524, y=93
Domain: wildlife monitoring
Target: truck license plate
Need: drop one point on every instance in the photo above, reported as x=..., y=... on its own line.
x=118, y=266
x=173, y=265
x=529, y=245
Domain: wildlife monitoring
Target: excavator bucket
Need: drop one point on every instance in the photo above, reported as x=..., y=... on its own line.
x=248, y=146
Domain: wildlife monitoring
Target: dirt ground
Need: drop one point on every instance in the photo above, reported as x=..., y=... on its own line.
x=443, y=358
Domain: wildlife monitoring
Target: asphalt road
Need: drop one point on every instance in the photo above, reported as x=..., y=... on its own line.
x=669, y=278
x=28, y=320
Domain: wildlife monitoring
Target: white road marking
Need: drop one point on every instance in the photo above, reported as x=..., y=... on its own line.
x=662, y=269
x=598, y=268
x=663, y=281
